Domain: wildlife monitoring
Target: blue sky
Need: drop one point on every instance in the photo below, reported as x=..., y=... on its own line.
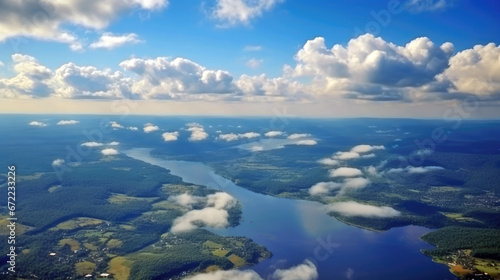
x=247, y=38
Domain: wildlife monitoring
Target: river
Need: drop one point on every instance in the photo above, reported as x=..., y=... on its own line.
x=295, y=230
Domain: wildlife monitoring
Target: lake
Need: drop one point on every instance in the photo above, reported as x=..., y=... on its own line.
x=295, y=230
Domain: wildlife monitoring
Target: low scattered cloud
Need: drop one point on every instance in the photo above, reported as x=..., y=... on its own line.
x=329, y=161
x=356, y=152
x=345, y=172
x=92, y=144
x=304, y=271
x=347, y=185
x=37, y=123
x=296, y=136
x=170, y=136
x=197, y=132
x=352, y=208
x=110, y=41
x=109, y=152
x=133, y=128
x=209, y=217
x=186, y=199
x=228, y=137
x=346, y=155
x=360, y=149
x=67, y=122
x=221, y=200
x=58, y=162
x=226, y=275
x=233, y=137
x=214, y=214
x=415, y=169
x=306, y=142
x=148, y=128
x=324, y=188
x=116, y=125
x=273, y=133
x=249, y=135
x=98, y=144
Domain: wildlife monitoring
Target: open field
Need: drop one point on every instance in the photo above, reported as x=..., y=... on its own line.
x=119, y=267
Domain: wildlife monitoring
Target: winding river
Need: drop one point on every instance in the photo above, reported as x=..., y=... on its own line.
x=295, y=230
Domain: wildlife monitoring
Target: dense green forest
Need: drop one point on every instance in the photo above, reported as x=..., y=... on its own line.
x=484, y=243
x=116, y=208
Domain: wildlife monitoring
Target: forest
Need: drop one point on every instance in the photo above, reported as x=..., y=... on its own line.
x=105, y=210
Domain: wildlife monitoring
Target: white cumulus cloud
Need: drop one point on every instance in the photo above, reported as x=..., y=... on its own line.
x=170, y=136
x=209, y=217
x=249, y=135
x=197, y=134
x=115, y=125
x=273, y=133
x=213, y=215
x=347, y=185
x=47, y=19
x=476, y=71
x=370, y=68
x=110, y=41
x=148, y=128
x=37, y=123
x=305, y=271
x=162, y=78
x=228, y=137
